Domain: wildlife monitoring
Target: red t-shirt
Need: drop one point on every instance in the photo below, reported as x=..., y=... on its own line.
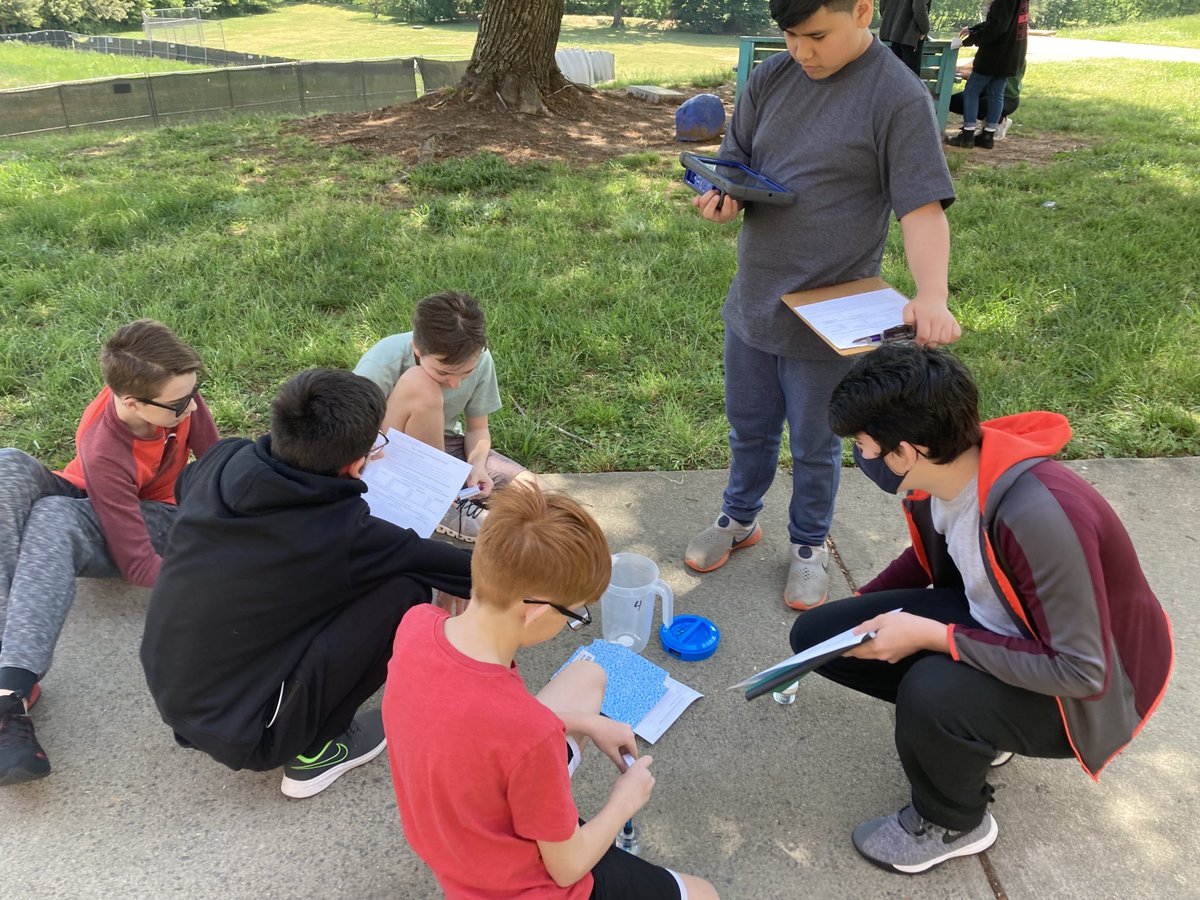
x=479, y=767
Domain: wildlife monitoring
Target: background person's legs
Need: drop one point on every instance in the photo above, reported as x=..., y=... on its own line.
x=756, y=408
x=816, y=451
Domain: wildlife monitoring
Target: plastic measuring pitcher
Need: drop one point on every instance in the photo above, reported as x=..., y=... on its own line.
x=627, y=605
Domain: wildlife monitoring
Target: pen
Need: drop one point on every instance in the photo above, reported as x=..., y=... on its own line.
x=895, y=333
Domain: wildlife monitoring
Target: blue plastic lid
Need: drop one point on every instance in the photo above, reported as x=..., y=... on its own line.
x=690, y=638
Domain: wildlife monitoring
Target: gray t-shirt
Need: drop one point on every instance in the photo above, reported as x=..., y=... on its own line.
x=478, y=395
x=852, y=147
x=959, y=521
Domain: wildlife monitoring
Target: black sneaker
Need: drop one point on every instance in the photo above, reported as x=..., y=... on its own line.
x=21, y=756
x=364, y=740
x=985, y=139
x=964, y=139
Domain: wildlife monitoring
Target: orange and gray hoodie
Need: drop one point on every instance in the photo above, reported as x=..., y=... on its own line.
x=1093, y=635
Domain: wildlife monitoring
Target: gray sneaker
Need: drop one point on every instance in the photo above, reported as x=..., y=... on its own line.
x=808, y=577
x=364, y=740
x=463, y=520
x=905, y=842
x=710, y=549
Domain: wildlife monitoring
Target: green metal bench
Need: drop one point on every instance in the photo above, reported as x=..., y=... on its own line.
x=938, y=59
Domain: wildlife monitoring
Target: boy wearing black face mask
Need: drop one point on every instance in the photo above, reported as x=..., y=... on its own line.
x=1027, y=626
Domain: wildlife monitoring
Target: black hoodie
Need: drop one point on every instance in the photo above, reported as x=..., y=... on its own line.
x=260, y=558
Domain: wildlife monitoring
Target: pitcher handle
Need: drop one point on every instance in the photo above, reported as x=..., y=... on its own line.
x=668, y=602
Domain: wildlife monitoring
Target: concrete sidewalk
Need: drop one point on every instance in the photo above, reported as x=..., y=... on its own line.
x=756, y=797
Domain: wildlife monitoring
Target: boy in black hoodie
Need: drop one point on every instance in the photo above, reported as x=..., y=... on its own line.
x=273, y=617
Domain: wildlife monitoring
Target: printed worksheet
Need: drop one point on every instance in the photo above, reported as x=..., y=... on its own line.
x=844, y=320
x=412, y=484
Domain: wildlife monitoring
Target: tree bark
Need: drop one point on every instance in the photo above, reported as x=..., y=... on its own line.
x=618, y=22
x=513, y=60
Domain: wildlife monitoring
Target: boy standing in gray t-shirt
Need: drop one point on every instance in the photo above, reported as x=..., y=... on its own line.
x=841, y=122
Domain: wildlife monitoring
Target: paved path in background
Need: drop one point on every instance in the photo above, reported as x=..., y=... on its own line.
x=1043, y=48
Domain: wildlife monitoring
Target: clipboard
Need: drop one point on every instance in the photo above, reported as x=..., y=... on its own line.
x=865, y=315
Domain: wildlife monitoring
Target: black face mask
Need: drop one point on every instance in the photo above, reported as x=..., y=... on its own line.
x=877, y=470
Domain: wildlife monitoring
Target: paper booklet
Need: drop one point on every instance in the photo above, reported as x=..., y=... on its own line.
x=784, y=674
x=639, y=693
x=412, y=484
x=846, y=316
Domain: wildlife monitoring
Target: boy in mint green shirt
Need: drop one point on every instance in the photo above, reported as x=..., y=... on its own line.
x=435, y=375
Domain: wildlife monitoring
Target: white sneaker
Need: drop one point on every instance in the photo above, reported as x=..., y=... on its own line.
x=1002, y=128
x=463, y=520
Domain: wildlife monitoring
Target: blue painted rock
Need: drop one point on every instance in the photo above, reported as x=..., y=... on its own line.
x=702, y=118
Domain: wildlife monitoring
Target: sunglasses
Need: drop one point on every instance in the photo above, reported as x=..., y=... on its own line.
x=179, y=407
x=577, y=619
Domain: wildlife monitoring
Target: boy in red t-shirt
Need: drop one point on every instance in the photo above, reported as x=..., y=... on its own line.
x=105, y=515
x=482, y=768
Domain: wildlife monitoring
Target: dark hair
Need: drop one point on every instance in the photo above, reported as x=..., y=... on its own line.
x=902, y=392
x=143, y=356
x=787, y=13
x=450, y=325
x=323, y=420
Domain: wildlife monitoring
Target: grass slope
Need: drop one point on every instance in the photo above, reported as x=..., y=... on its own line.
x=22, y=65
x=1175, y=31
x=602, y=286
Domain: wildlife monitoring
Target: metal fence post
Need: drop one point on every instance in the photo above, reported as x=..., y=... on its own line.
x=63, y=104
x=300, y=85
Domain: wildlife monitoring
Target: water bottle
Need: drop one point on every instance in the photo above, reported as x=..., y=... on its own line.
x=787, y=696
x=627, y=838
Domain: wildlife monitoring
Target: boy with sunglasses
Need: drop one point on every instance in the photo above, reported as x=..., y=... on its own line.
x=455, y=703
x=273, y=617
x=105, y=515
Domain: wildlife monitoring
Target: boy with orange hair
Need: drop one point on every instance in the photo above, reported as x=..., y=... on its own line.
x=455, y=703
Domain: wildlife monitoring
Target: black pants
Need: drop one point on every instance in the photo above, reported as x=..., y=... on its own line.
x=951, y=719
x=1010, y=106
x=345, y=664
x=910, y=56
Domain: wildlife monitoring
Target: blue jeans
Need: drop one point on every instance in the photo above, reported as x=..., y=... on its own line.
x=762, y=391
x=989, y=86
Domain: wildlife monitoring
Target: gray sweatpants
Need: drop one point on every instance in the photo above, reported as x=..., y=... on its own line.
x=49, y=534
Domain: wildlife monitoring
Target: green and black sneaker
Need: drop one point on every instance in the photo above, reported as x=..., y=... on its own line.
x=364, y=740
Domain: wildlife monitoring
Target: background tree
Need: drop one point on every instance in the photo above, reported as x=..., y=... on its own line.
x=513, y=61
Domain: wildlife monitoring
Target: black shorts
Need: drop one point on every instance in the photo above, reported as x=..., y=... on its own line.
x=623, y=876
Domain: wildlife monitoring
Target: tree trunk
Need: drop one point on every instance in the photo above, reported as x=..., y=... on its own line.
x=618, y=22
x=513, y=60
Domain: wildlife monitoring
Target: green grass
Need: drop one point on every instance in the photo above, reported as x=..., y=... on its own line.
x=602, y=286
x=311, y=31
x=1176, y=31
x=22, y=65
